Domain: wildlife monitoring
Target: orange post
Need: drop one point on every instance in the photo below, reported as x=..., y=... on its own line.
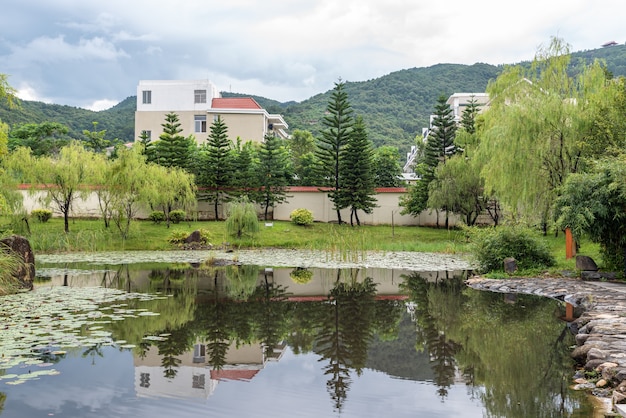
x=570, y=245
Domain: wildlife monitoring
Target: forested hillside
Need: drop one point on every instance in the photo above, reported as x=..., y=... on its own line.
x=395, y=107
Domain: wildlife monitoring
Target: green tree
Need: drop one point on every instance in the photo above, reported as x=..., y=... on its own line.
x=130, y=183
x=357, y=158
x=301, y=146
x=174, y=189
x=273, y=174
x=242, y=218
x=217, y=165
x=95, y=139
x=538, y=129
x=42, y=138
x=337, y=130
x=172, y=149
x=458, y=187
x=387, y=168
x=438, y=148
x=592, y=205
x=244, y=180
x=468, y=117
x=7, y=92
x=64, y=175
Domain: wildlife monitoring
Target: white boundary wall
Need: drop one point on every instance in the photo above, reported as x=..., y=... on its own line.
x=387, y=211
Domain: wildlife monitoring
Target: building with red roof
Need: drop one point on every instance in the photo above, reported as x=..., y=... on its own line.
x=198, y=103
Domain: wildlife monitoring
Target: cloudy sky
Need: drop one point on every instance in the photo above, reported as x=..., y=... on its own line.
x=92, y=53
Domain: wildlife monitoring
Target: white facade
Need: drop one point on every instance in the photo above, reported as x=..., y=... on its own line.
x=175, y=95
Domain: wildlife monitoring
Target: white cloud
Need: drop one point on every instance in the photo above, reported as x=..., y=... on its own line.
x=282, y=49
x=103, y=104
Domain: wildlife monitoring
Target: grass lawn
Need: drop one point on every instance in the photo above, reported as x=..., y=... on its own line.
x=90, y=235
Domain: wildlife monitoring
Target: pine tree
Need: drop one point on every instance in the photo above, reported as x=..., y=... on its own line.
x=438, y=148
x=468, y=117
x=357, y=191
x=173, y=149
x=273, y=173
x=217, y=165
x=337, y=129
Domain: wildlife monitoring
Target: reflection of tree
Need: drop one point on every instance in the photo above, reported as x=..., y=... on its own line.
x=93, y=351
x=178, y=342
x=520, y=354
x=346, y=331
x=241, y=281
x=436, y=309
x=271, y=313
x=217, y=320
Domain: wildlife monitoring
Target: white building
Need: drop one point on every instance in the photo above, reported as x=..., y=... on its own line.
x=198, y=103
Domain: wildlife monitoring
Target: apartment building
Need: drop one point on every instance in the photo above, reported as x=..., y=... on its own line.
x=198, y=103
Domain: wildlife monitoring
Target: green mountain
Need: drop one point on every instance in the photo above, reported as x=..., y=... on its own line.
x=395, y=107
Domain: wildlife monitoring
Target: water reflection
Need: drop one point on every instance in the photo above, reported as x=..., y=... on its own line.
x=229, y=323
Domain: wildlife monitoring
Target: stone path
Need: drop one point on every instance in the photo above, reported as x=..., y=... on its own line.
x=601, y=336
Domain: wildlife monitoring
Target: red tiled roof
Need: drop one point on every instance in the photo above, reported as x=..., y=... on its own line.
x=234, y=103
x=233, y=374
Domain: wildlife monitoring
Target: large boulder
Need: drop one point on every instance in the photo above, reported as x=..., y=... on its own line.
x=19, y=245
x=585, y=263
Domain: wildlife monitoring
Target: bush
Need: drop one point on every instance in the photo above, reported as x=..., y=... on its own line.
x=302, y=217
x=177, y=237
x=177, y=216
x=42, y=215
x=490, y=246
x=157, y=216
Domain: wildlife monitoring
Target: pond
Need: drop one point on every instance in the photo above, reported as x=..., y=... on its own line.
x=104, y=337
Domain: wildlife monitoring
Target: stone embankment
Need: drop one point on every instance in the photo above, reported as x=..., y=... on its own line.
x=601, y=327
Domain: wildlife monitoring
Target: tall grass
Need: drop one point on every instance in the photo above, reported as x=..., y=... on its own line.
x=10, y=263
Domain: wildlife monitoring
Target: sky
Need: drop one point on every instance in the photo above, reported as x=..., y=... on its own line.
x=92, y=53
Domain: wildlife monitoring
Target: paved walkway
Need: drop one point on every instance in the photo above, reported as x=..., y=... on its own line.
x=601, y=337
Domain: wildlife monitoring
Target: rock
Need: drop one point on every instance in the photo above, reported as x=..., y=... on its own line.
x=580, y=353
x=195, y=236
x=590, y=276
x=510, y=265
x=601, y=383
x=592, y=364
x=20, y=246
x=586, y=263
x=618, y=397
x=595, y=354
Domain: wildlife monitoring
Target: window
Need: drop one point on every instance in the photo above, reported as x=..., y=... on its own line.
x=199, y=96
x=199, y=123
x=146, y=135
x=198, y=381
x=144, y=380
x=147, y=96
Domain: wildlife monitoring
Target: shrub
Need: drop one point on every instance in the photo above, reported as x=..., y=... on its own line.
x=42, y=215
x=177, y=237
x=242, y=218
x=302, y=217
x=490, y=246
x=157, y=216
x=177, y=216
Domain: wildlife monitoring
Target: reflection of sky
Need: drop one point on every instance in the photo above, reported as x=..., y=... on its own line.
x=293, y=387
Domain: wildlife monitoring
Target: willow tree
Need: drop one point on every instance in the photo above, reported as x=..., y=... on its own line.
x=64, y=176
x=539, y=121
x=173, y=188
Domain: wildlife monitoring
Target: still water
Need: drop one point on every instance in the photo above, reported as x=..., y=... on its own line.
x=180, y=340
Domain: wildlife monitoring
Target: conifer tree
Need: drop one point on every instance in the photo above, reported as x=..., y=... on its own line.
x=172, y=149
x=438, y=148
x=217, y=165
x=337, y=130
x=357, y=191
x=273, y=172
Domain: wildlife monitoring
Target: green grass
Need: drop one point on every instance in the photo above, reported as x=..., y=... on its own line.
x=341, y=241
x=90, y=235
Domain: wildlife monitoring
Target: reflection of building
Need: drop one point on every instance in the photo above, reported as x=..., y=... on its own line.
x=195, y=377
